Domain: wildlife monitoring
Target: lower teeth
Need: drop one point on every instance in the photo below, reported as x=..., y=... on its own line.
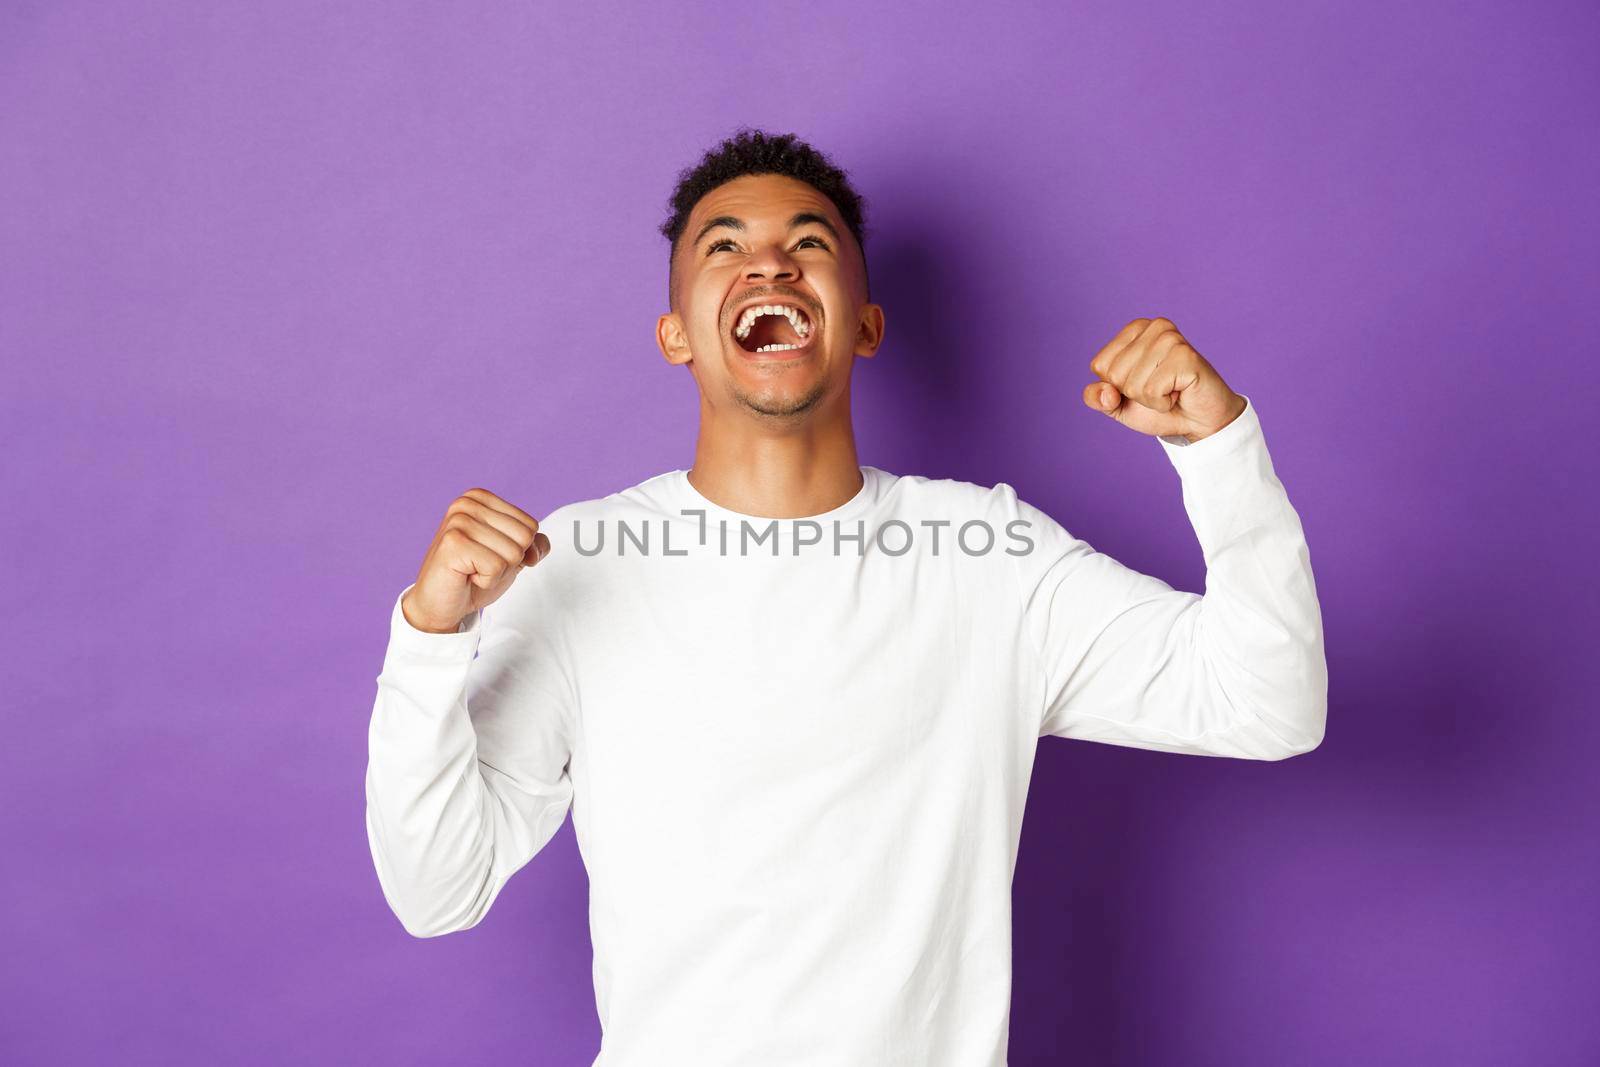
x=776, y=348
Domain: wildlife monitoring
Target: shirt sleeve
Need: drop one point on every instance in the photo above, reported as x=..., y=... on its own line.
x=1128, y=660
x=467, y=770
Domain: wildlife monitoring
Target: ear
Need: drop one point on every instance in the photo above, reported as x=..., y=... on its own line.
x=869, y=333
x=672, y=339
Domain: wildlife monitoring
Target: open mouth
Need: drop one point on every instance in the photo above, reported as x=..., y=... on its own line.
x=778, y=327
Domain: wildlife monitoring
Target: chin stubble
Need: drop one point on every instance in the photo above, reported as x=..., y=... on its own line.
x=781, y=406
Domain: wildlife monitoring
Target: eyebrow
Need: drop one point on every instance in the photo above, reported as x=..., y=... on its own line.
x=801, y=218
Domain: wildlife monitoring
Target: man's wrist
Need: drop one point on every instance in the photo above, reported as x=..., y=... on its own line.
x=1236, y=408
x=424, y=625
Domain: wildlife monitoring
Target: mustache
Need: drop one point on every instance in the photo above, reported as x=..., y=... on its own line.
x=769, y=292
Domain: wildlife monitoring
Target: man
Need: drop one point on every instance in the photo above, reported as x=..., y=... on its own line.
x=793, y=701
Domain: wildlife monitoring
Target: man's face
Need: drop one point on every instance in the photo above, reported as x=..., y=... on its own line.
x=814, y=265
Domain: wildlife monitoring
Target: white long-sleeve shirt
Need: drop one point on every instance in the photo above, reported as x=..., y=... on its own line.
x=797, y=766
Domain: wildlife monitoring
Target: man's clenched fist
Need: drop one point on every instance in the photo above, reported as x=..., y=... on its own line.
x=1153, y=381
x=482, y=545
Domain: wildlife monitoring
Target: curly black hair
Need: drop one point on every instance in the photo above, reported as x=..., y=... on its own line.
x=753, y=151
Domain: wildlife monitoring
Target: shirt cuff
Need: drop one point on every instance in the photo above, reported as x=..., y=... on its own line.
x=1242, y=432
x=406, y=639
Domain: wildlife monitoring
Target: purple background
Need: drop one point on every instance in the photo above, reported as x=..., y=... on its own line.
x=278, y=281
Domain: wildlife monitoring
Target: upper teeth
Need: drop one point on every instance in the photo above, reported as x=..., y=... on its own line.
x=747, y=320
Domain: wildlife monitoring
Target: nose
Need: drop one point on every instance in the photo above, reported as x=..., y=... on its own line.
x=771, y=261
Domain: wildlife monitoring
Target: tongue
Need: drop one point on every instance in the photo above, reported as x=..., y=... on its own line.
x=770, y=330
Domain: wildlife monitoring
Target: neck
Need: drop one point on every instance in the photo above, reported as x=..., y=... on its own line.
x=775, y=468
